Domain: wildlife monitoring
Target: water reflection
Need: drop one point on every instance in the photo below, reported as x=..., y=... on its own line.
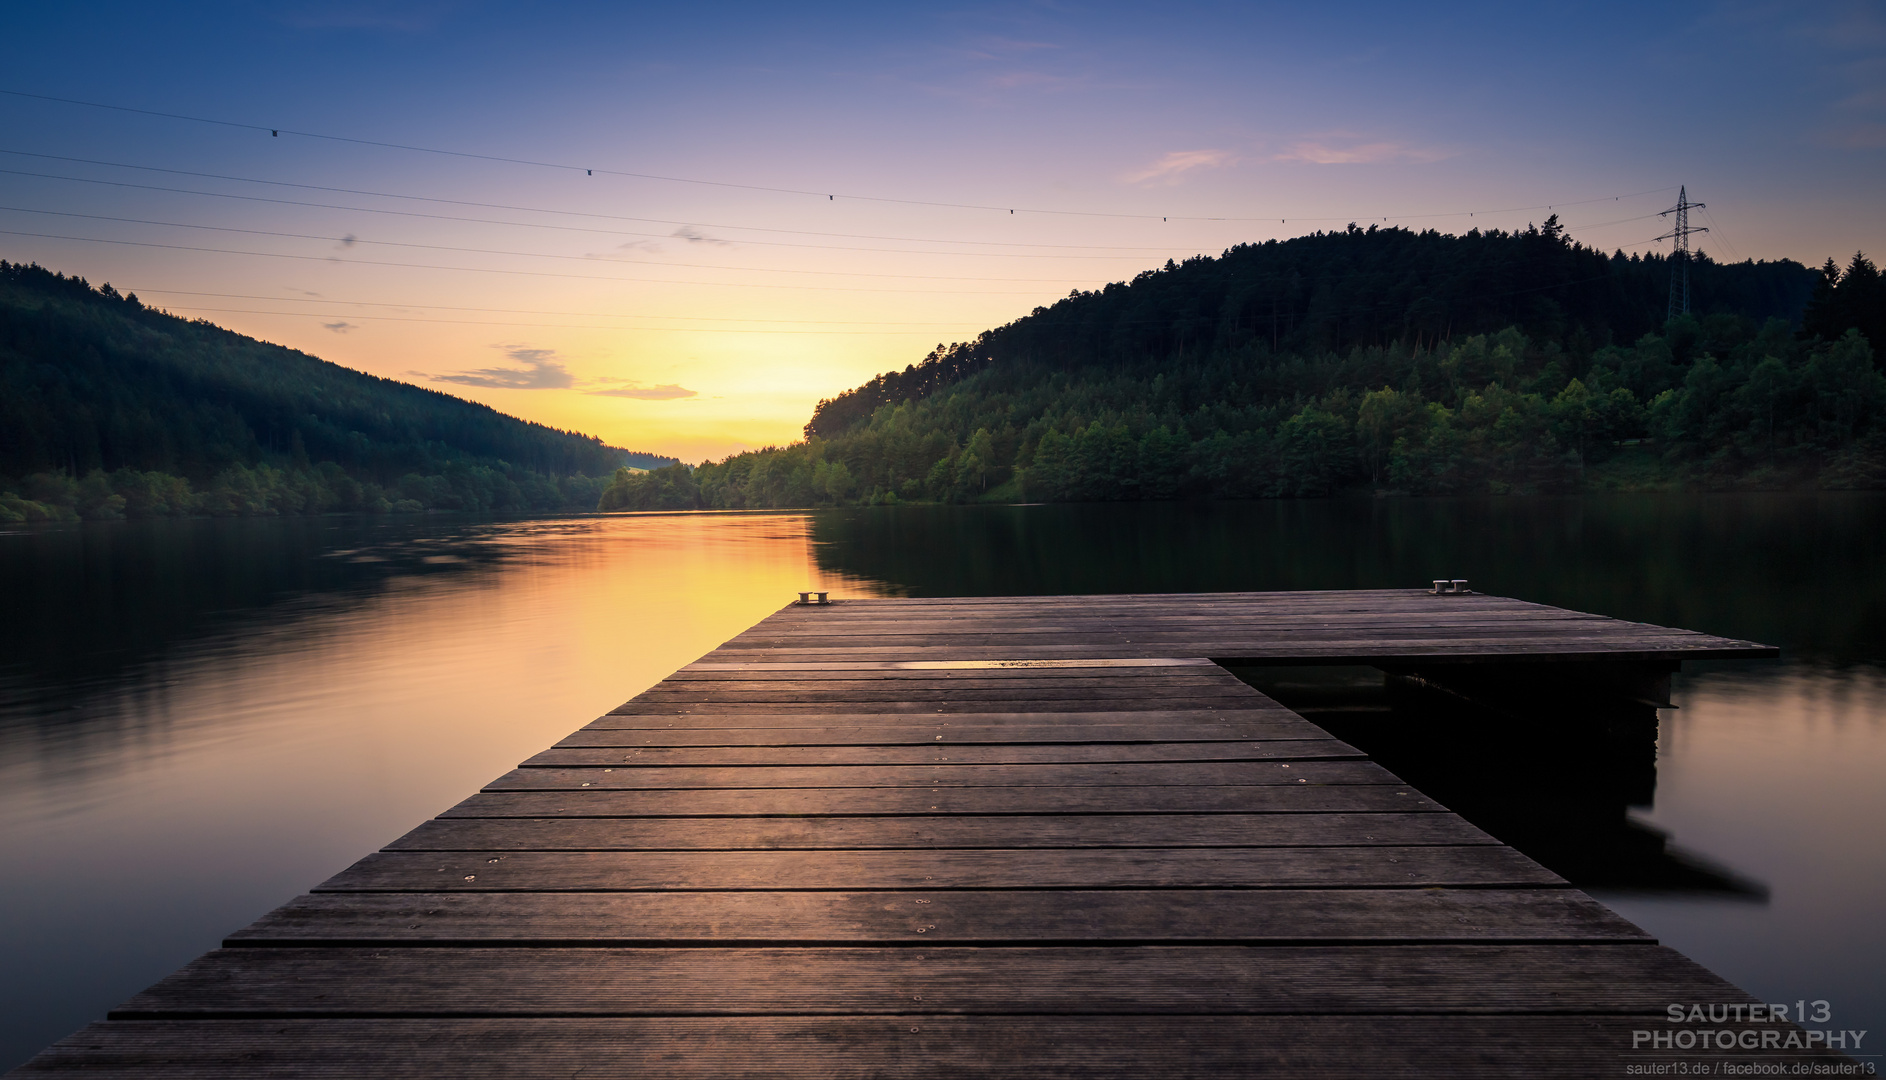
x=96, y=601
x=201, y=719
x=1556, y=776
x=206, y=718
x=1795, y=570
x=1778, y=772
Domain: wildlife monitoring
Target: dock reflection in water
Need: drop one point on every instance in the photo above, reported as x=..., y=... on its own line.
x=1557, y=779
x=1745, y=828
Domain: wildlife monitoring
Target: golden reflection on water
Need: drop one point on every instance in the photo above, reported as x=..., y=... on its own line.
x=153, y=801
x=241, y=770
x=414, y=695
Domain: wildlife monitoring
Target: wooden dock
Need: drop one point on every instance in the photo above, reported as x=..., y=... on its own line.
x=1029, y=837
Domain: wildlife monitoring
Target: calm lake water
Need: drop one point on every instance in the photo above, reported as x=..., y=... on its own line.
x=202, y=719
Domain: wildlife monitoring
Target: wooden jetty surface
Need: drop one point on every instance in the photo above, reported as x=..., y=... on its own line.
x=1028, y=837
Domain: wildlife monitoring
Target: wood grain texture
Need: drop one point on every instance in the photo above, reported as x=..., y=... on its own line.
x=943, y=868
x=852, y=802
x=935, y=752
x=1103, y=725
x=949, y=775
x=1126, y=916
x=976, y=729
x=1085, y=980
x=1007, y=837
x=1011, y=831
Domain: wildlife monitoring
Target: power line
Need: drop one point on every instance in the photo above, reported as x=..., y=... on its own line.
x=563, y=326
x=1719, y=234
x=655, y=221
x=592, y=230
x=584, y=230
x=352, y=240
x=527, y=311
x=1604, y=224
x=827, y=195
x=514, y=273
x=518, y=209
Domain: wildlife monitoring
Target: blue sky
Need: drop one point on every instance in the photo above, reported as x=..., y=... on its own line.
x=697, y=318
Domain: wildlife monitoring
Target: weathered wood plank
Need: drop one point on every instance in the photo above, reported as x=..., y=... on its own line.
x=1193, y=663
x=1222, y=706
x=1240, y=711
x=1318, y=599
x=778, y=802
x=1239, y=980
x=1213, y=643
x=1034, y=619
x=934, y=753
x=1233, y=649
x=958, y=729
x=1060, y=610
x=931, y=777
x=857, y=1048
x=1062, y=868
x=1262, y=624
x=898, y=676
x=753, y=682
x=1436, y=614
x=1275, y=916
x=1185, y=877
x=818, y=684
x=993, y=632
x=797, y=682
x=838, y=695
x=496, y=835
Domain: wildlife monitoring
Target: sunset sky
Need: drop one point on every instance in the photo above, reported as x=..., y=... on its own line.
x=679, y=226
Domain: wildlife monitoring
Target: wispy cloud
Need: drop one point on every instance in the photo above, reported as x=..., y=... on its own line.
x=695, y=236
x=1849, y=27
x=628, y=247
x=686, y=233
x=1863, y=136
x=339, y=327
x=1871, y=99
x=990, y=46
x=994, y=70
x=1339, y=148
x=1173, y=168
x=1855, y=60
x=540, y=370
x=1030, y=80
x=408, y=18
x=664, y=392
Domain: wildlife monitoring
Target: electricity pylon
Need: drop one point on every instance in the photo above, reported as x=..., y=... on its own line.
x=1680, y=251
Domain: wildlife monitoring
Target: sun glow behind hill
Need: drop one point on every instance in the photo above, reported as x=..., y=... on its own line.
x=700, y=318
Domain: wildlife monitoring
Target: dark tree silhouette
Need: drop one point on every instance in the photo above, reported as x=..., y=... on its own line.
x=94, y=382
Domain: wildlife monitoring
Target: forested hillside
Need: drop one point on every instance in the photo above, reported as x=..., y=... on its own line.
x=110, y=408
x=1361, y=360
